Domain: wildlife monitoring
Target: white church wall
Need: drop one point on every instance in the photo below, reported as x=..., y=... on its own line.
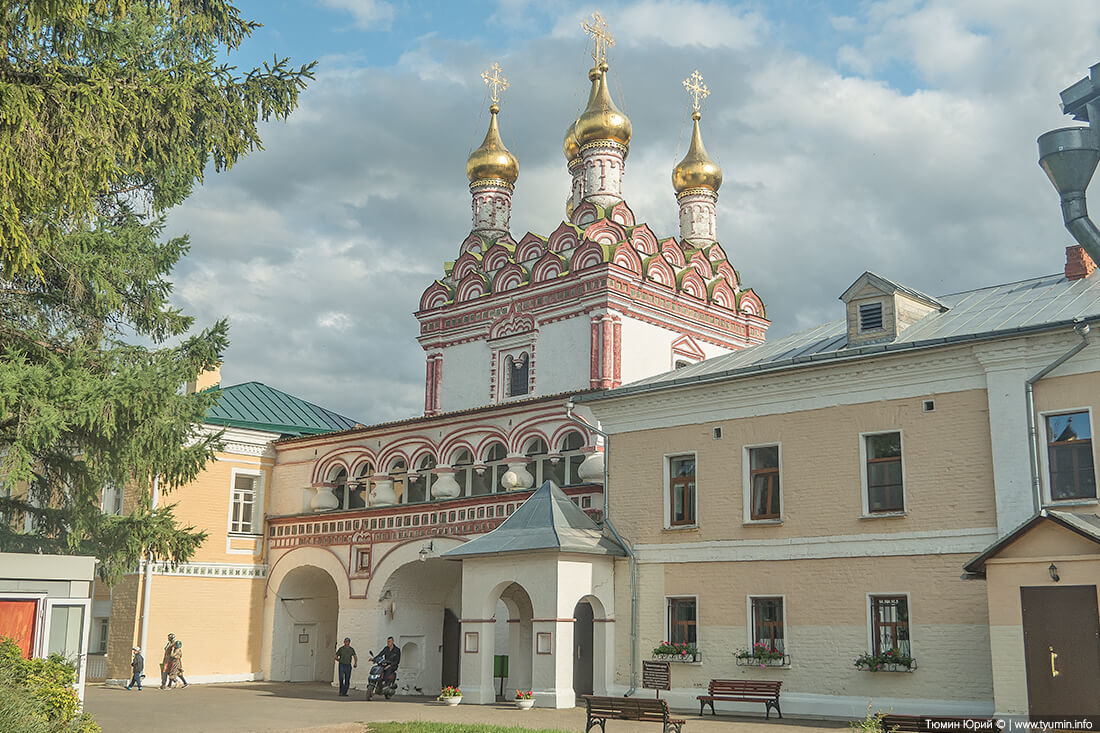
x=465, y=380
x=562, y=356
x=646, y=349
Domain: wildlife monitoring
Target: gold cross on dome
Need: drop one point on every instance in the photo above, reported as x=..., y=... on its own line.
x=696, y=88
x=495, y=80
x=600, y=37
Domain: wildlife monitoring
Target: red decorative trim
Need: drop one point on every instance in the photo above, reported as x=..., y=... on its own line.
x=604, y=231
x=642, y=238
x=511, y=323
x=594, y=361
x=686, y=346
x=434, y=296
x=550, y=266
x=603, y=620
x=563, y=238
x=589, y=254
x=625, y=256
x=672, y=251
x=617, y=376
x=496, y=257
x=529, y=248
x=660, y=271
x=464, y=265
x=621, y=213
x=692, y=285
x=510, y=277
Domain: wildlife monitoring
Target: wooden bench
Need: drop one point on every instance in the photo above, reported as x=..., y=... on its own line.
x=645, y=710
x=939, y=723
x=763, y=691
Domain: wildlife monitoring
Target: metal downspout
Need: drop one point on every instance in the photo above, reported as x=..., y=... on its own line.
x=1082, y=330
x=629, y=551
x=146, y=593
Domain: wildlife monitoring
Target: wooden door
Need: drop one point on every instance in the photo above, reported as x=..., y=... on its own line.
x=1061, y=649
x=582, y=649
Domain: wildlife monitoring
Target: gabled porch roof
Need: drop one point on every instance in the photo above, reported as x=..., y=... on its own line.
x=548, y=520
x=1086, y=525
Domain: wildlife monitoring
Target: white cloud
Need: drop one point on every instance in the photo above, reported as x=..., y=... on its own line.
x=372, y=14
x=319, y=247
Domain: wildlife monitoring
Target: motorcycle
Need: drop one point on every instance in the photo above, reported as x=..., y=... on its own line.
x=382, y=678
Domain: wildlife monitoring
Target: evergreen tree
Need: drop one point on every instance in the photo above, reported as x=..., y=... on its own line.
x=110, y=111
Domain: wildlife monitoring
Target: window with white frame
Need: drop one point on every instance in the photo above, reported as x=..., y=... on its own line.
x=681, y=490
x=112, y=500
x=763, y=482
x=883, y=481
x=768, y=623
x=420, y=481
x=890, y=624
x=243, y=517
x=100, y=637
x=1070, y=457
x=682, y=616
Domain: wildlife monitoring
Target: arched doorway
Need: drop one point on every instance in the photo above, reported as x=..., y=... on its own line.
x=582, y=648
x=304, y=630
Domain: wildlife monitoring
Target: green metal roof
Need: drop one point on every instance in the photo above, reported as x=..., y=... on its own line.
x=259, y=407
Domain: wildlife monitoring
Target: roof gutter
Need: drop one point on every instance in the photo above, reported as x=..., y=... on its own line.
x=1082, y=329
x=569, y=407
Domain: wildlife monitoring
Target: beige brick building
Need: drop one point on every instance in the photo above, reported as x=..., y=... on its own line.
x=825, y=495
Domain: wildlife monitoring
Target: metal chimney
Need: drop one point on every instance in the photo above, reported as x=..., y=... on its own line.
x=1069, y=157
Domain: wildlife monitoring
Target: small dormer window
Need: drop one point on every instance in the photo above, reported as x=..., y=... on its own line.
x=870, y=317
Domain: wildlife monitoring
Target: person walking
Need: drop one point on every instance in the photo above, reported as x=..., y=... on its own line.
x=166, y=662
x=347, y=659
x=138, y=665
x=176, y=673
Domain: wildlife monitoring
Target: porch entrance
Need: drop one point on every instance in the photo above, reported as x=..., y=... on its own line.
x=303, y=658
x=1061, y=649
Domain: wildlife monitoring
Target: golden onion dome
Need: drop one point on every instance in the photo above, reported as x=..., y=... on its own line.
x=571, y=148
x=696, y=170
x=601, y=119
x=492, y=161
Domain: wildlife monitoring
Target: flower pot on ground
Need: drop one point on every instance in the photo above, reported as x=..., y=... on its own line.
x=450, y=695
x=525, y=699
x=890, y=660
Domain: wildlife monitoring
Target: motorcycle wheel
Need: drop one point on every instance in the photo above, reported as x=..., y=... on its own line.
x=388, y=696
x=370, y=693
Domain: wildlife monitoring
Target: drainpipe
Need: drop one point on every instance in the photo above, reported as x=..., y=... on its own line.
x=630, y=552
x=145, y=596
x=1082, y=329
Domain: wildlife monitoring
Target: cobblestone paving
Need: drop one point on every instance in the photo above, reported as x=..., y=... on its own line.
x=277, y=707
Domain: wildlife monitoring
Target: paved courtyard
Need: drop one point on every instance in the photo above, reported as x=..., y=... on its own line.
x=265, y=707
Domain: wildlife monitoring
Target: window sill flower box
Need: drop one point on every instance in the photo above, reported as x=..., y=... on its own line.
x=888, y=661
x=677, y=652
x=689, y=658
x=783, y=660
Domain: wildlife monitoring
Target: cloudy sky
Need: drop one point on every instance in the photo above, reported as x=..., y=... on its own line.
x=894, y=136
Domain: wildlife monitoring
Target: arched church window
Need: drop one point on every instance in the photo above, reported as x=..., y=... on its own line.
x=572, y=457
x=340, y=489
x=463, y=463
x=539, y=455
x=360, y=488
x=487, y=480
x=518, y=370
x=420, y=482
x=399, y=472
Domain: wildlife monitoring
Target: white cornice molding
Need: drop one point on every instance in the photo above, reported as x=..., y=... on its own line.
x=899, y=375
x=967, y=541
x=208, y=569
x=244, y=441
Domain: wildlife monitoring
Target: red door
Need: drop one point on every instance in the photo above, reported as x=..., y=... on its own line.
x=17, y=622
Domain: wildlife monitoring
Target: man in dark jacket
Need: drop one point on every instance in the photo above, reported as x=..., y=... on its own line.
x=391, y=654
x=138, y=665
